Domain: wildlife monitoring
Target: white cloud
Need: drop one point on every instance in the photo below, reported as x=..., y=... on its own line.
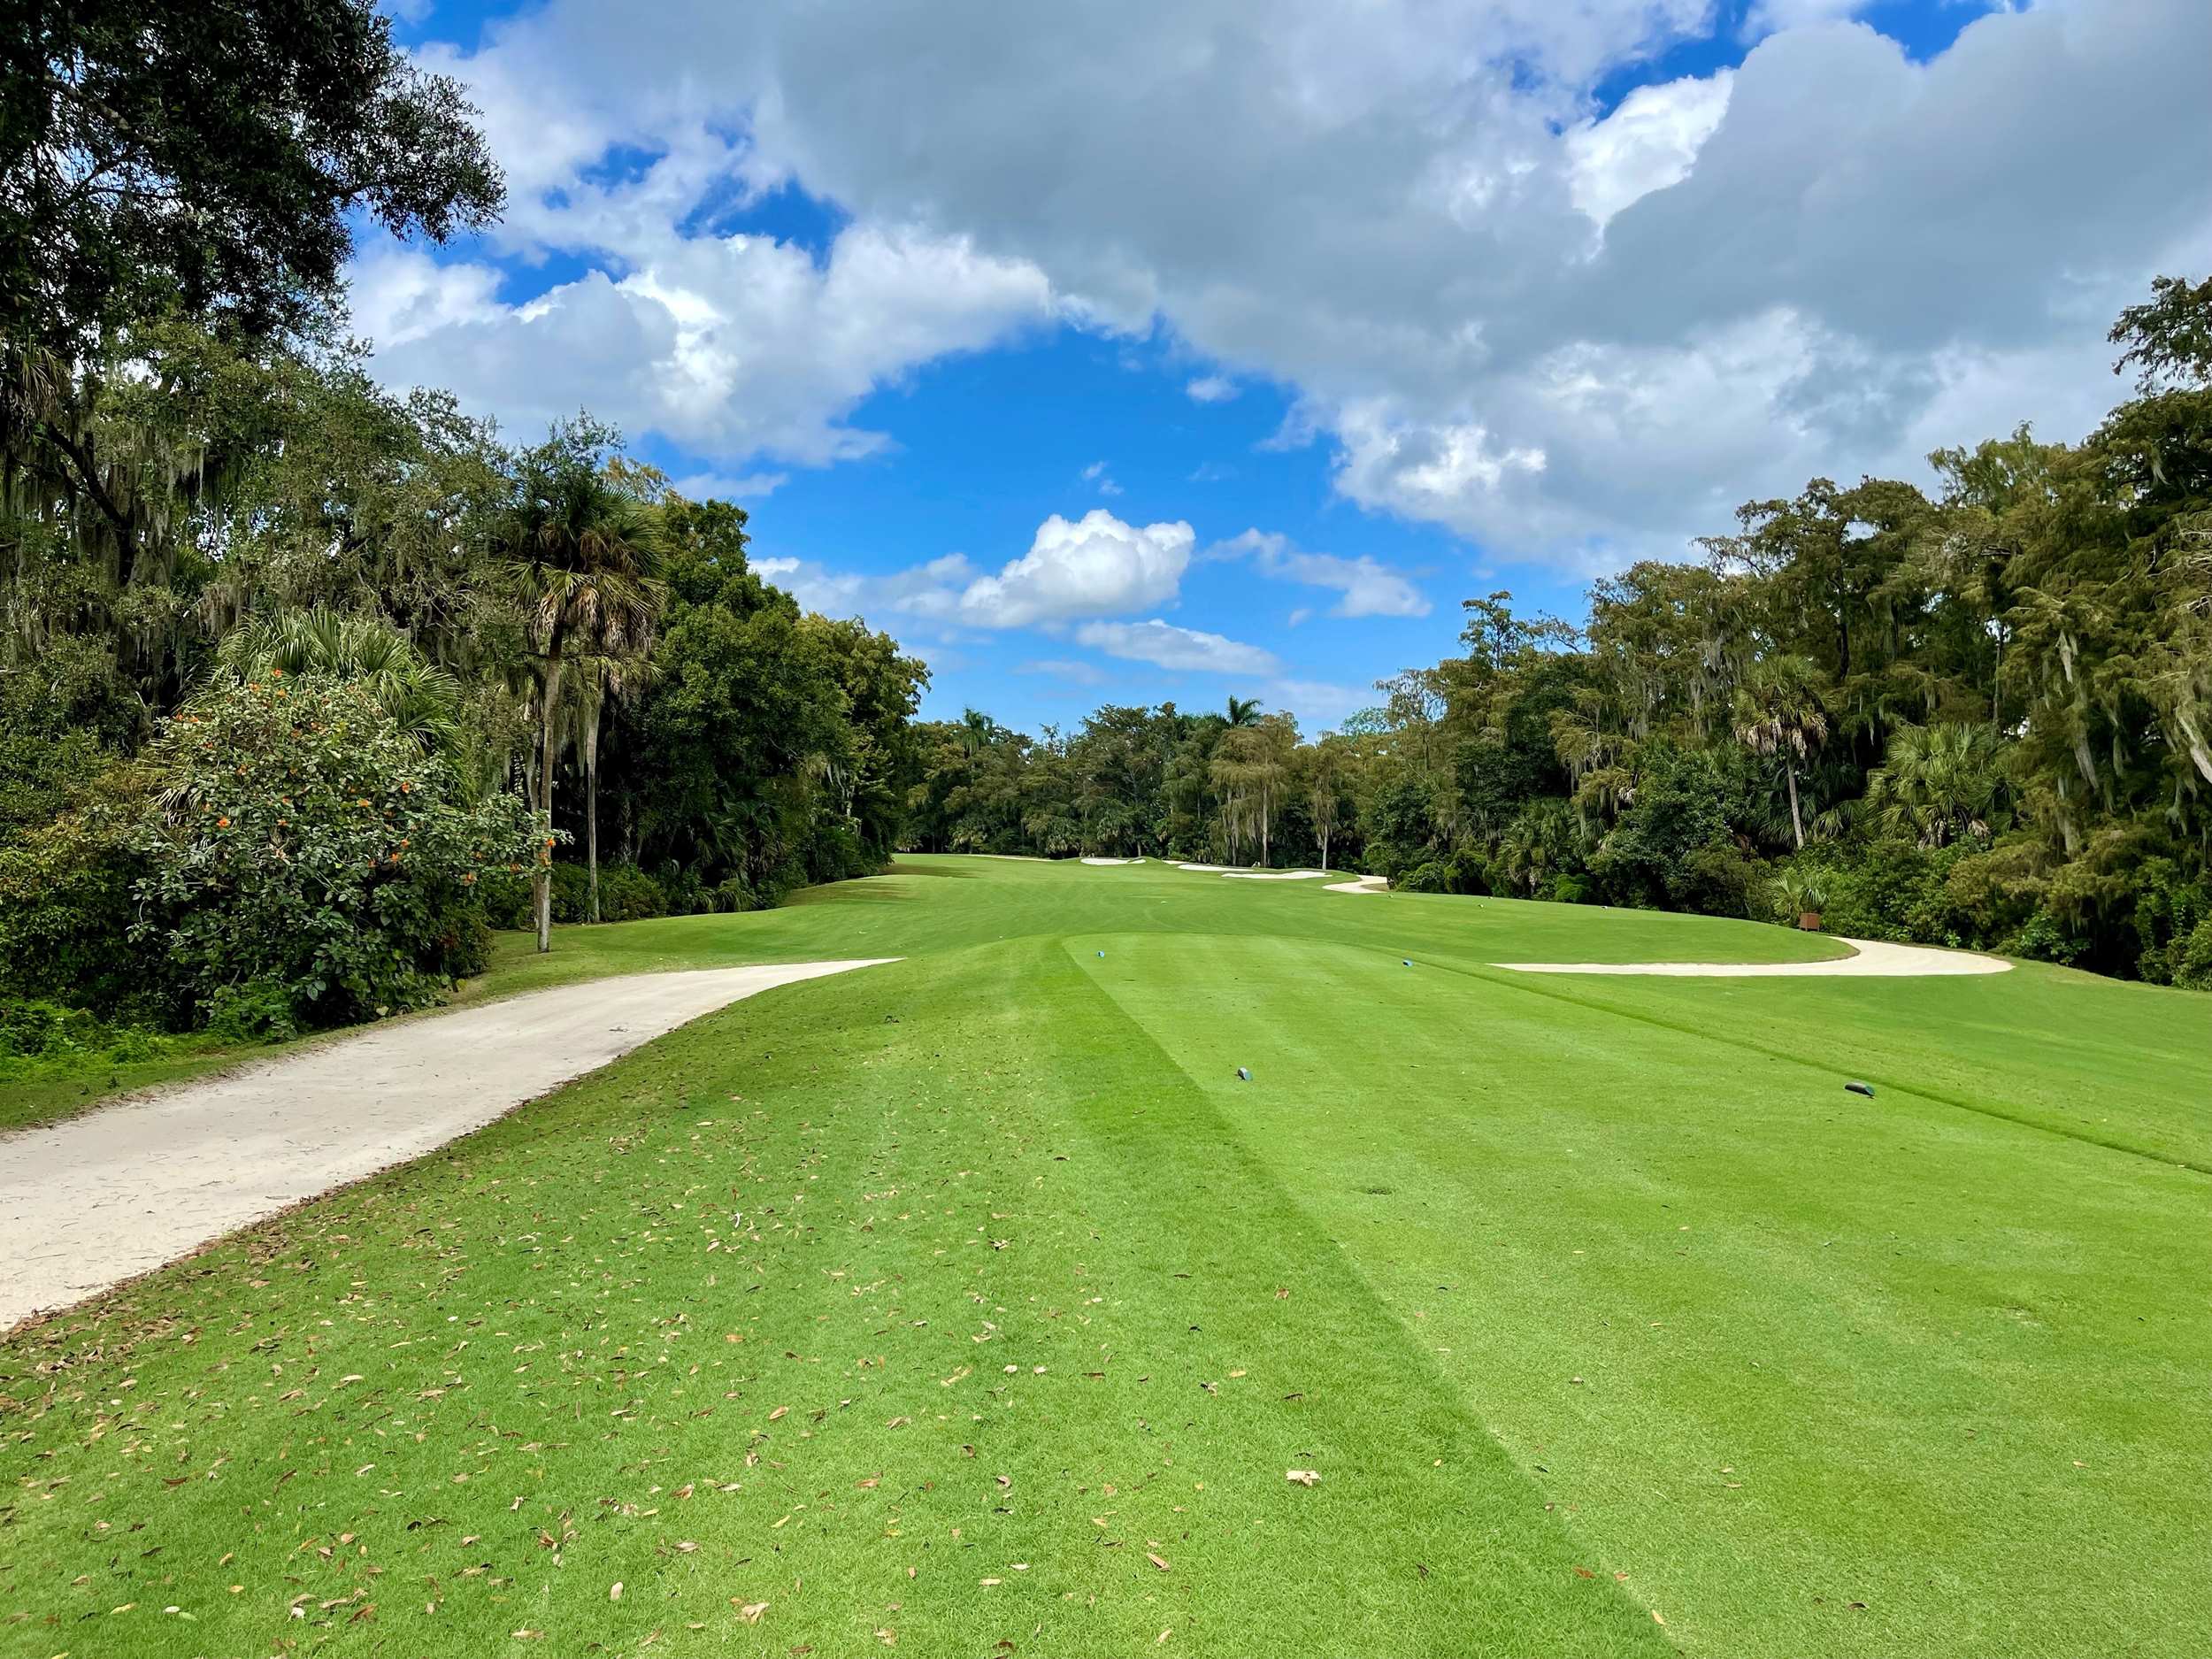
x=1097, y=567
x=714, y=486
x=1096, y=473
x=1164, y=645
x=1094, y=566
x=1397, y=218
x=1369, y=589
x=1649, y=142
x=1211, y=388
x=732, y=347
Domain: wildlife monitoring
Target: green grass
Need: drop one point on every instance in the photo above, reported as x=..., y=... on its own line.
x=1612, y=1324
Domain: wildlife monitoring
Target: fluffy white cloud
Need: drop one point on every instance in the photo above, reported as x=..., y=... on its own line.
x=1093, y=566
x=1097, y=567
x=733, y=346
x=1649, y=142
x=1803, y=267
x=1164, y=645
x=1211, y=388
x=1368, y=589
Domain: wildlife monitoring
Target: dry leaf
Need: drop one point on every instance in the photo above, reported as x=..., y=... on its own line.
x=614, y=1591
x=1156, y=1561
x=1303, y=1477
x=751, y=1611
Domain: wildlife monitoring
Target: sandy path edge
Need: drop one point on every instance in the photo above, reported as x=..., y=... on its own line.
x=119, y=1190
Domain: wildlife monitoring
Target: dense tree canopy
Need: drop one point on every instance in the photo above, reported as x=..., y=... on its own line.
x=1980, y=715
x=304, y=686
x=177, y=159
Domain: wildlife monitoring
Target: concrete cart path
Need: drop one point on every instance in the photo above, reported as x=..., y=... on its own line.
x=122, y=1189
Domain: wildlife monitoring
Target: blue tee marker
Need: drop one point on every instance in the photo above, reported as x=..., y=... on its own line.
x=1405, y=962
x=1243, y=1076
x=1101, y=956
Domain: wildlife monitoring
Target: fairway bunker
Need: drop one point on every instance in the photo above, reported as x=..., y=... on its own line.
x=1870, y=959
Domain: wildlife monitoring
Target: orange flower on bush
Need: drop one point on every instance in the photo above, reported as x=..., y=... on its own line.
x=222, y=823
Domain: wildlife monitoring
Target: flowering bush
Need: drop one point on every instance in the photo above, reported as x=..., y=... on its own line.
x=309, y=864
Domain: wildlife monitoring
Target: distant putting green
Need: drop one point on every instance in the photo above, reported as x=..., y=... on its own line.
x=975, y=1305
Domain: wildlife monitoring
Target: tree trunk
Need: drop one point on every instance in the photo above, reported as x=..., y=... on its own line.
x=591, y=808
x=1797, y=823
x=548, y=756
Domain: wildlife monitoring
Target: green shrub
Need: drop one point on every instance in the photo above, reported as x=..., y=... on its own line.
x=627, y=894
x=33, y=1029
x=2192, y=970
x=309, y=864
x=2045, y=938
x=504, y=895
x=65, y=910
x=1671, y=850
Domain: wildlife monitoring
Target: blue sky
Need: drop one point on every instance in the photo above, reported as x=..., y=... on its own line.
x=1013, y=350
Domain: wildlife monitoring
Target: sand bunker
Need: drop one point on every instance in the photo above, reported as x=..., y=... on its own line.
x=1874, y=960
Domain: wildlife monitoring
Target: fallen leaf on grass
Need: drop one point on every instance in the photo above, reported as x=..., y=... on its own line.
x=749, y=1611
x=614, y=1591
x=1156, y=1561
x=1303, y=1477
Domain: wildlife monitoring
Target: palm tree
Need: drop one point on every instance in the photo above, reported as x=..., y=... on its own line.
x=1243, y=711
x=600, y=677
x=1779, y=713
x=1939, y=784
x=581, y=555
x=423, y=700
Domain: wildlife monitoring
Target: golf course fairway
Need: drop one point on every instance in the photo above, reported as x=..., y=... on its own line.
x=974, y=1304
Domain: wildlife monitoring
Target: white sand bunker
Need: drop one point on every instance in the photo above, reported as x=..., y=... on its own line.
x=124, y=1188
x=1113, y=861
x=1243, y=874
x=1360, y=884
x=1874, y=960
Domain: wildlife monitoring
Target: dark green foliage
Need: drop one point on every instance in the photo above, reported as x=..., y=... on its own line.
x=170, y=156
x=307, y=863
x=33, y=1030
x=1671, y=849
x=65, y=907
x=627, y=894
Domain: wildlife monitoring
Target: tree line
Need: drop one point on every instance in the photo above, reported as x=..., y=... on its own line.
x=306, y=686
x=1979, y=715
